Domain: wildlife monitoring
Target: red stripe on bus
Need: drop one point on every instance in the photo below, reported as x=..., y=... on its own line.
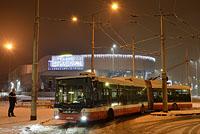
x=119, y=112
x=181, y=105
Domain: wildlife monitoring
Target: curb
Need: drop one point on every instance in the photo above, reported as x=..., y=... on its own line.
x=43, y=122
x=174, y=114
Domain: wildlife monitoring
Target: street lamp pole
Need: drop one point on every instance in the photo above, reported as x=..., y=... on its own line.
x=35, y=64
x=133, y=58
x=187, y=67
x=113, y=60
x=196, y=65
x=9, y=69
x=92, y=43
x=163, y=70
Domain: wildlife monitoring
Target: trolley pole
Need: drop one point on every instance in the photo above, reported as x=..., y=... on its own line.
x=163, y=70
x=92, y=43
x=35, y=64
x=133, y=57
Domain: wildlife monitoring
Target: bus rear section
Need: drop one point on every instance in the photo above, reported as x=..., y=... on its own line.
x=179, y=98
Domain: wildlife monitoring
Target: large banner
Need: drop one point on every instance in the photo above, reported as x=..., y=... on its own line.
x=66, y=62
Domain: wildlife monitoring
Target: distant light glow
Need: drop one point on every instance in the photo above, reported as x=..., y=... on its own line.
x=76, y=62
x=121, y=56
x=8, y=46
x=169, y=82
x=66, y=62
x=107, y=84
x=114, y=104
x=56, y=117
x=114, y=46
x=2, y=94
x=74, y=19
x=18, y=85
x=70, y=92
x=89, y=71
x=114, y=6
x=12, y=85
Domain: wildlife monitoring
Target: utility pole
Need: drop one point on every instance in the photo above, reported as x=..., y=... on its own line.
x=9, y=70
x=196, y=64
x=163, y=60
x=113, y=60
x=187, y=66
x=35, y=63
x=133, y=57
x=93, y=32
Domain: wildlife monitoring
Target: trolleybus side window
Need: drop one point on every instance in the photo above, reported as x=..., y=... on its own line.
x=114, y=94
x=121, y=94
x=174, y=95
x=157, y=94
x=178, y=95
x=60, y=94
x=137, y=94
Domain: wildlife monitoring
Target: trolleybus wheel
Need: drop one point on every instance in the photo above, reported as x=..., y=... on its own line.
x=110, y=114
x=142, y=109
x=175, y=106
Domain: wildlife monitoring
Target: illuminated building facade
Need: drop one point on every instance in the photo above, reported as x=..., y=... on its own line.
x=54, y=66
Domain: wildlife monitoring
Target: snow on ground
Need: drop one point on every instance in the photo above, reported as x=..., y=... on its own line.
x=45, y=124
x=21, y=124
x=40, y=129
x=22, y=117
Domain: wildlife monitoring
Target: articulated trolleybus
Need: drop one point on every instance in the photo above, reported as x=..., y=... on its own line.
x=90, y=98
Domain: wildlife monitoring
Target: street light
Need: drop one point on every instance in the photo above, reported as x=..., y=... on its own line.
x=113, y=57
x=114, y=7
x=114, y=46
x=74, y=19
x=8, y=46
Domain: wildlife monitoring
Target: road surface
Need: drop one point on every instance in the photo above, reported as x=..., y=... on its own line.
x=134, y=124
x=146, y=124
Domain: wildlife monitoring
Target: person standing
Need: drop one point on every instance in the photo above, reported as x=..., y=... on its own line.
x=12, y=101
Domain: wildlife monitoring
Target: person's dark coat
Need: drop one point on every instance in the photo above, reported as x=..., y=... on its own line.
x=12, y=101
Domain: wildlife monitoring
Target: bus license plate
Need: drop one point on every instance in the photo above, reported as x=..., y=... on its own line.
x=69, y=118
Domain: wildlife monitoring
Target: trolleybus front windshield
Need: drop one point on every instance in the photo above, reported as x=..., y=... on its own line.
x=73, y=91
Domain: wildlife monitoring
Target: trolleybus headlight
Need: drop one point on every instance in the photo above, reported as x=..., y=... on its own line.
x=83, y=118
x=56, y=117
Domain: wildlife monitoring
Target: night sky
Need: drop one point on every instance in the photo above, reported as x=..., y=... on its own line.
x=56, y=37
